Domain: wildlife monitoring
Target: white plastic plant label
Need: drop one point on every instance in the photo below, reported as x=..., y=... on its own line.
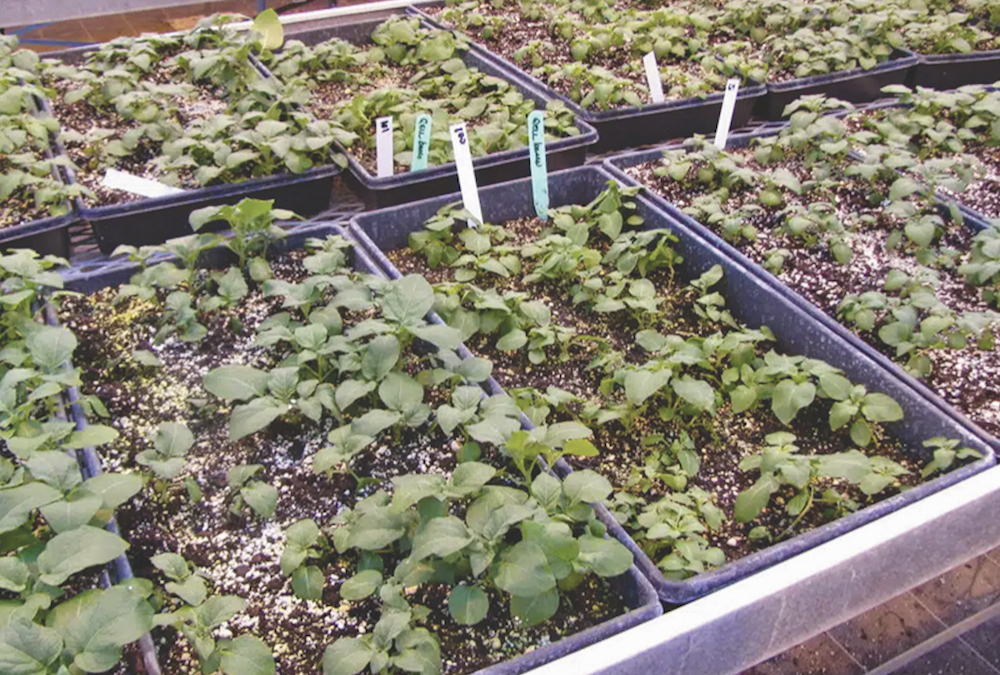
x=653, y=77
x=122, y=180
x=466, y=175
x=383, y=146
x=726, y=114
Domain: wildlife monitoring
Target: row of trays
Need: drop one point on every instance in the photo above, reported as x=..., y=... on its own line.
x=755, y=298
x=154, y=220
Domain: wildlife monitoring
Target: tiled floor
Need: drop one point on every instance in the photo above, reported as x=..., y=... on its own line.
x=948, y=626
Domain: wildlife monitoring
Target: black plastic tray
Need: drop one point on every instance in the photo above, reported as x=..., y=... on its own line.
x=436, y=180
x=856, y=86
x=635, y=589
x=153, y=221
x=630, y=127
x=752, y=300
x=616, y=166
x=48, y=236
x=950, y=71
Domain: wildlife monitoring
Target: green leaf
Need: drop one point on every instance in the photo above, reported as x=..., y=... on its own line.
x=380, y=357
x=16, y=504
x=90, y=436
x=468, y=604
x=27, y=648
x=535, y=609
x=172, y=565
x=755, y=498
x=789, y=398
x=247, y=655
x=97, y=624
x=51, y=346
x=350, y=391
x=494, y=429
x=408, y=300
x=146, y=358
x=524, y=571
x=607, y=557
x=512, y=340
x=261, y=497
x=268, y=25
x=219, y=609
x=307, y=582
x=852, y=465
x=399, y=391
x=698, y=393
x=173, y=439
x=586, y=487
x=71, y=552
x=252, y=417
x=881, y=408
x=346, y=656
x=70, y=513
x=192, y=590
x=236, y=383
x=641, y=384
x=374, y=422
x=361, y=585
x=442, y=337
x=440, y=537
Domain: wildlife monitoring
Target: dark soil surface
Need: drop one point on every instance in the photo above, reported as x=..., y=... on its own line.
x=240, y=553
x=965, y=378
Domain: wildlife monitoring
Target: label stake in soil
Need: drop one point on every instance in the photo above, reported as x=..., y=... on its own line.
x=653, y=78
x=383, y=146
x=539, y=168
x=421, y=142
x=726, y=114
x=122, y=180
x=466, y=176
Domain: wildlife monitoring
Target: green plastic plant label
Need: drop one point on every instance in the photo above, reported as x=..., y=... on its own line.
x=726, y=114
x=466, y=175
x=421, y=142
x=539, y=168
x=383, y=146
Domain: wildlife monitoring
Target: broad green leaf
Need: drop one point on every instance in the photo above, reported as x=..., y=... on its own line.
x=350, y=391
x=440, y=537
x=586, y=486
x=16, y=504
x=346, y=656
x=789, y=398
x=71, y=552
x=374, y=422
x=468, y=604
x=114, y=488
x=852, y=465
x=146, y=358
x=408, y=300
x=607, y=557
x=641, y=384
x=524, y=571
x=173, y=439
x=698, y=393
x=361, y=585
x=881, y=408
x=89, y=436
x=494, y=429
x=172, y=564
x=236, y=383
x=380, y=357
x=399, y=391
x=72, y=512
x=51, y=346
x=262, y=498
x=192, y=590
x=27, y=648
x=247, y=655
x=55, y=468
x=307, y=582
x=219, y=609
x=99, y=624
x=252, y=417
x=752, y=501
x=14, y=574
x=534, y=609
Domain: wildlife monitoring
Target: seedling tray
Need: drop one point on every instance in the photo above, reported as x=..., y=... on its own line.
x=436, y=180
x=753, y=301
x=630, y=126
x=154, y=220
x=949, y=71
x=635, y=589
x=856, y=86
x=975, y=222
